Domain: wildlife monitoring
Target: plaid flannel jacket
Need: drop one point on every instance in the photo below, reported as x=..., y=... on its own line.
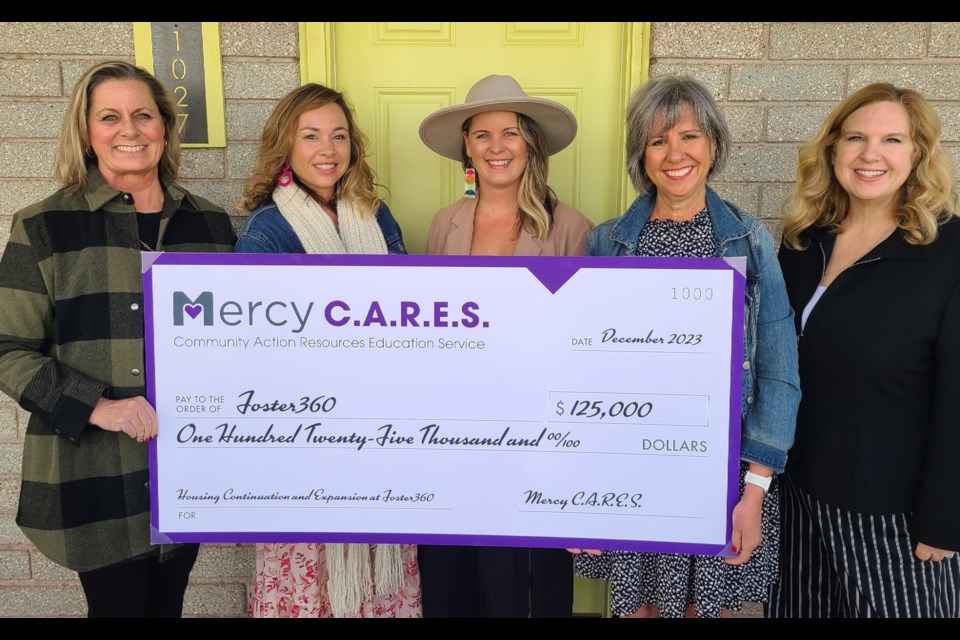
x=71, y=331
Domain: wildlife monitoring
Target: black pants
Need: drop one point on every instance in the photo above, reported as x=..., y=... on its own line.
x=140, y=589
x=495, y=582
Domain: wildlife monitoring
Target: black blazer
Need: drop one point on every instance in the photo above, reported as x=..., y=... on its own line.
x=878, y=428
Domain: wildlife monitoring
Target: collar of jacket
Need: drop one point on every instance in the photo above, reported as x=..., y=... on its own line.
x=98, y=193
x=727, y=225
x=460, y=236
x=893, y=248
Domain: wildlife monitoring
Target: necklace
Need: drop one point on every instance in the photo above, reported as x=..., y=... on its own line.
x=148, y=226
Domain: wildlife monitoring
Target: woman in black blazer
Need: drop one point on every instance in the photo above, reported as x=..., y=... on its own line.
x=871, y=260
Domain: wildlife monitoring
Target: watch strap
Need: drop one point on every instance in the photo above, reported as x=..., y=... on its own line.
x=761, y=481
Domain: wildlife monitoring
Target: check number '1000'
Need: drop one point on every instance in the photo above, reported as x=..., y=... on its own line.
x=691, y=293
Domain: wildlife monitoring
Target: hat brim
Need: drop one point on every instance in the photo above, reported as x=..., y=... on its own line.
x=441, y=130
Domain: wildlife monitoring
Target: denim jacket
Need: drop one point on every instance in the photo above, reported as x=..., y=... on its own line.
x=771, y=381
x=266, y=231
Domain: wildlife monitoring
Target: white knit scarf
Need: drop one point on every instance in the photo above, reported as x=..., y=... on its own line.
x=358, y=233
x=353, y=569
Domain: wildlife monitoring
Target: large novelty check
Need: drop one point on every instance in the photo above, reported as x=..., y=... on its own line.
x=552, y=402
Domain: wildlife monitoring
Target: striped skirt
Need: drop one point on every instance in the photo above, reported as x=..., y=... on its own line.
x=845, y=564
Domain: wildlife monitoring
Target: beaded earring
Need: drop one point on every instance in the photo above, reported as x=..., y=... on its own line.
x=470, y=183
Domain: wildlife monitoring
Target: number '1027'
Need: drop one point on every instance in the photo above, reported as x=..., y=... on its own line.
x=178, y=68
x=691, y=293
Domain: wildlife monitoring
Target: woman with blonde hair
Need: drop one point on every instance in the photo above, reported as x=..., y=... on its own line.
x=72, y=350
x=871, y=259
x=503, y=138
x=312, y=191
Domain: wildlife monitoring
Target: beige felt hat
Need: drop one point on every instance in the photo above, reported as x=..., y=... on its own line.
x=441, y=130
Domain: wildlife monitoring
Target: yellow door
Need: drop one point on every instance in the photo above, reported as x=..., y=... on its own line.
x=396, y=73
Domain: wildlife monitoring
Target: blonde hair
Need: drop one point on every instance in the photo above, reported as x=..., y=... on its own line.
x=536, y=199
x=276, y=141
x=75, y=155
x=927, y=198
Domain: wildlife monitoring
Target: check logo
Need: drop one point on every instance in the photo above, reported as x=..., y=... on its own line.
x=194, y=307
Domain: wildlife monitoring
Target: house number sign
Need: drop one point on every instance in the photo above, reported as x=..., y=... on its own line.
x=185, y=56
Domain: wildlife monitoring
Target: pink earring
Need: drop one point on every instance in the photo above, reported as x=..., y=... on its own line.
x=470, y=183
x=286, y=176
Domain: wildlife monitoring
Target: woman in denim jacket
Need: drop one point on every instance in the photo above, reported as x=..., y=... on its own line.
x=313, y=192
x=676, y=139
x=267, y=229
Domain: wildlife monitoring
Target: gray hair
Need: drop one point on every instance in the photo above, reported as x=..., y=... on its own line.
x=661, y=101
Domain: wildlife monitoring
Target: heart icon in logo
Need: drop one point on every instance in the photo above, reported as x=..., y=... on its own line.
x=193, y=310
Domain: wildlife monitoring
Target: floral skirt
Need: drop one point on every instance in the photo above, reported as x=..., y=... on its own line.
x=291, y=581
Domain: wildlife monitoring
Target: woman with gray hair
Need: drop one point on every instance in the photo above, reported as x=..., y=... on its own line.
x=676, y=139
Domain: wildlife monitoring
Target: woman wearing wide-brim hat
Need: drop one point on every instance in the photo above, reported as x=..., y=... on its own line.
x=503, y=138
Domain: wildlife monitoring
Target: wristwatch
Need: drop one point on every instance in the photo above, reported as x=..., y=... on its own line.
x=761, y=481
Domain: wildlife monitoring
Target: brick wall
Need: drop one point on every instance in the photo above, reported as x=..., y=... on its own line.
x=775, y=81
x=778, y=81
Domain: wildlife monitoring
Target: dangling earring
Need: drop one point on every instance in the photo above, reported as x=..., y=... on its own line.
x=285, y=177
x=470, y=183
x=88, y=152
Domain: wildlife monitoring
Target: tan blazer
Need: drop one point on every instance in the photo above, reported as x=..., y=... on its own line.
x=451, y=232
